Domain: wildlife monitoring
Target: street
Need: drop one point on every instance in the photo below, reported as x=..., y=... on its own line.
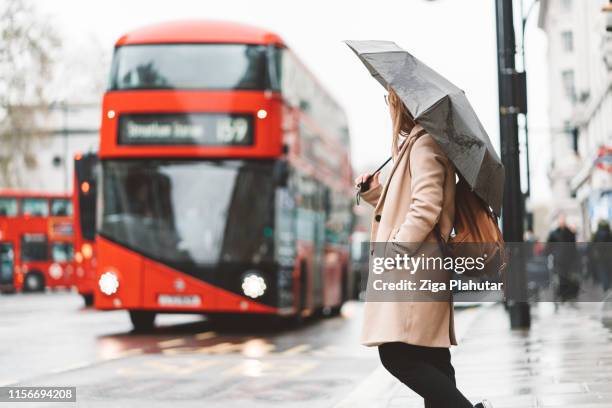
x=52, y=339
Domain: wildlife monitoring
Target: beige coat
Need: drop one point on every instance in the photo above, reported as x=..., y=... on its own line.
x=407, y=208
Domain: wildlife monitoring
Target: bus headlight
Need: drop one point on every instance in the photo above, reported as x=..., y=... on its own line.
x=108, y=283
x=56, y=271
x=253, y=285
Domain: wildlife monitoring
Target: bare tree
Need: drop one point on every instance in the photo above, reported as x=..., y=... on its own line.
x=27, y=46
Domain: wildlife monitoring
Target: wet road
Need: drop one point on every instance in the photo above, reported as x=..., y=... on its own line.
x=51, y=339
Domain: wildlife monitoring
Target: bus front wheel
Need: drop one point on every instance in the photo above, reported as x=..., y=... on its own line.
x=88, y=299
x=143, y=321
x=34, y=282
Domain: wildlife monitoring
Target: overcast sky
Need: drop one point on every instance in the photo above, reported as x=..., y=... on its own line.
x=457, y=38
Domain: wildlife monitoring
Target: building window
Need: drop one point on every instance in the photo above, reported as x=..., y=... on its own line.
x=568, y=84
x=575, y=137
x=567, y=4
x=567, y=40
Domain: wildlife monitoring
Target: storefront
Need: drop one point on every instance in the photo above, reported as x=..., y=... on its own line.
x=593, y=189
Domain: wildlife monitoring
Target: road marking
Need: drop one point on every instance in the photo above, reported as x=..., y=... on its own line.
x=220, y=348
x=75, y=366
x=184, y=367
x=85, y=364
x=171, y=343
x=131, y=352
x=123, y=354
x=256, y=348
x=179, y=350
x=205, y=335
x=371, y=391
x=259, y=368
x=302, y=368
x=326, y=351
x=296, y=350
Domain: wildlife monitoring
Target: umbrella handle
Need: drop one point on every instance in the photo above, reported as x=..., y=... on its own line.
x=365, y=185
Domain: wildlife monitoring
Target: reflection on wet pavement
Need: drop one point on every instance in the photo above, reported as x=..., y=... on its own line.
x=186, y=362
x=565, y=360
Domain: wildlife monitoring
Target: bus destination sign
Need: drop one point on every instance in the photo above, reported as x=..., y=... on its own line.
x=192, y=129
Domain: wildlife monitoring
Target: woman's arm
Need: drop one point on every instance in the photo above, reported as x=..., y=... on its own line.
x=372, y=195
x=428, y=166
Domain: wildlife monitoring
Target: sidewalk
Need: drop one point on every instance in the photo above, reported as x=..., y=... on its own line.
x=565, y=360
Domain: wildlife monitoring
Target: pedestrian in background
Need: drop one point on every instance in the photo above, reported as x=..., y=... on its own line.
x=601, y=254
x=561, y=245
x=414, y=338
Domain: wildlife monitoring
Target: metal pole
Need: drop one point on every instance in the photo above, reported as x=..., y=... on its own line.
x=65, y=144
x=513, y=209
x=524, y=19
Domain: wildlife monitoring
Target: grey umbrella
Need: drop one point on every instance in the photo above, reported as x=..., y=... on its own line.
x=443, y=110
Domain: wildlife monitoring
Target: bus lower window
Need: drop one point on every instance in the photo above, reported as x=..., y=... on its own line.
x=34, y=247
x=62, y=252
x=7, y=258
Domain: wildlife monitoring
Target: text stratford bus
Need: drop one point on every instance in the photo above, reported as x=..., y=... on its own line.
x=84, y=204
x=36, y=249
x=226, y=183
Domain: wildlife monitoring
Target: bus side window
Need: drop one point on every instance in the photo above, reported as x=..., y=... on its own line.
x=62, y=252
x=35, y=207
x=8, y=207
x=61, y=207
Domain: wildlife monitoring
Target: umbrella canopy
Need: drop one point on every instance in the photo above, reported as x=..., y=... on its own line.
x=443, y=110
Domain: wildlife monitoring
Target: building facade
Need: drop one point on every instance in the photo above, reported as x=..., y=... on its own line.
x=67, y=129
x=580, y=110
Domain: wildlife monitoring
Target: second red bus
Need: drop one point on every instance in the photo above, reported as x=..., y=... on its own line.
x=36, y=241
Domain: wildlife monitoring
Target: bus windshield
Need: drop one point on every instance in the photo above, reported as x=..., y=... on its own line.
x=189, y=66
x=34, y=247
x=191, y=213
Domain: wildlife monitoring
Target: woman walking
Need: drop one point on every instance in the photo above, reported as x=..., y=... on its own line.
x=413, y=338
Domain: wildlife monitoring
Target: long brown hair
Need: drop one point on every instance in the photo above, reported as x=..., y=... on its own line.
x=401, y=119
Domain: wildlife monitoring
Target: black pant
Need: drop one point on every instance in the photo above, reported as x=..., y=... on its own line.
x=427, y=371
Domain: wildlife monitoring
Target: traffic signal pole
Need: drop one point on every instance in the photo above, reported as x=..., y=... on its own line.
x=513, y=214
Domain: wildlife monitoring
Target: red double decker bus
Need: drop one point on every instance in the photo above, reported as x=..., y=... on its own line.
x=84, y=204
x=36, y=248
x=225, y=182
